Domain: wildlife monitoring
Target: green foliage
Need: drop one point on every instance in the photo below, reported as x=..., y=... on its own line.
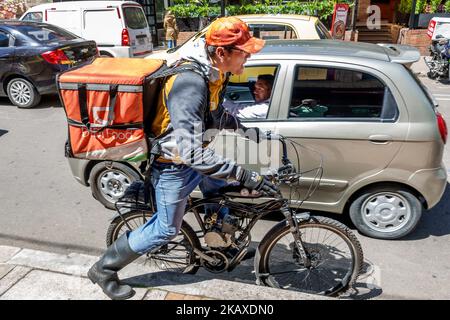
x=447, y=6
x=435, y=5
x=420, y=6
x=201, y=8
x=405, y=5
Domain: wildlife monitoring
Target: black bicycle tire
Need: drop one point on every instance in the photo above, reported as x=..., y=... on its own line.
x=266, y=245
x=118, y=222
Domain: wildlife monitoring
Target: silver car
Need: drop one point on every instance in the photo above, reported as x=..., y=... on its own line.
x=361, y=108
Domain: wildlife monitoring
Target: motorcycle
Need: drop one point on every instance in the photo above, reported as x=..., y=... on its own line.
x=439, y=60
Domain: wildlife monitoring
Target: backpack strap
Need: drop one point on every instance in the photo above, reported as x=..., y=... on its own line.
x=180, y=67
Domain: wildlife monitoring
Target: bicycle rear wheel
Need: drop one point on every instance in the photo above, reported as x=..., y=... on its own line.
x=178, y=255
x=335, y=253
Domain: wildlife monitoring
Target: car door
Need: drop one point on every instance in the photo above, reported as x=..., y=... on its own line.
x=6, y=56
x=352, y=120
x=258, y=157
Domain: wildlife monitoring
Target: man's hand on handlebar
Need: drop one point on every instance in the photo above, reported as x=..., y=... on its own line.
x=254, y=181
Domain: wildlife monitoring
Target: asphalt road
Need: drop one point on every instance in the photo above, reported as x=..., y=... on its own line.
x=43, y=207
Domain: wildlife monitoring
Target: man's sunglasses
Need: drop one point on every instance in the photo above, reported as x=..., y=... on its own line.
x=236, y=49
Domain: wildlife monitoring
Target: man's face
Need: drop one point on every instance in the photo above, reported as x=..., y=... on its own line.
x=262, y=91
x=234, y=60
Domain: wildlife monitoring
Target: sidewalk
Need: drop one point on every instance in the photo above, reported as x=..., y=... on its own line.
x=39, y=275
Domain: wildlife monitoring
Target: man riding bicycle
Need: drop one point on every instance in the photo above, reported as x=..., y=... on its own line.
x=187, y=106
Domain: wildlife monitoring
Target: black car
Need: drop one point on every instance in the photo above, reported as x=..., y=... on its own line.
x=32, y=53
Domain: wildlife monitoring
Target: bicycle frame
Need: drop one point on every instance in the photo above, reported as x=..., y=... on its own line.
x=254, y=212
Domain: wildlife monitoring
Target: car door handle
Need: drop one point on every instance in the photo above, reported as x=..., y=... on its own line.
x=380, y=138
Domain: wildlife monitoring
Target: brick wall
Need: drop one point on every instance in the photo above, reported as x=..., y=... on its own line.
x=395, y=32
x=416, y=38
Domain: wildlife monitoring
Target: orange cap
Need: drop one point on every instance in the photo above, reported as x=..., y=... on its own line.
x=231, y=31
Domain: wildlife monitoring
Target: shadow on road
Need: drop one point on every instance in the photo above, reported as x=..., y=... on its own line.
x=2, y=132
x=434, y=222
x=365, y=287
x=47, y=101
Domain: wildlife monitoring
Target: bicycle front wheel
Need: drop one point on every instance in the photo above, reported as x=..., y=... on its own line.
x=177, y=256
x=335, y=253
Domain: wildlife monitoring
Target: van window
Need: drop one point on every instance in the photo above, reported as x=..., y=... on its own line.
x=45, y=33
x=272, y=31
x=327, y=92
x=322, y=31
x=134, y=17
x=33, y=16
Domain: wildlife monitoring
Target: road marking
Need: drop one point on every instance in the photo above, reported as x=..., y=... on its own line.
x=442, y=99
x=441, y=94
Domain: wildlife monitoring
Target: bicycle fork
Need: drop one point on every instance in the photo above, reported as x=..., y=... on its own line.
x=294, y=220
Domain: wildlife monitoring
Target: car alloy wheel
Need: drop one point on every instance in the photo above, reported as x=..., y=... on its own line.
x=22, y=93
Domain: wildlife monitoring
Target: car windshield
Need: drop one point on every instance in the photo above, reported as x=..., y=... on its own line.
x=134, y=17
x=45, y=33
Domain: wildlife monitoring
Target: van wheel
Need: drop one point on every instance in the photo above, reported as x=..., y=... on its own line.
x=108, y=183
x=387, y=212
x=22, y=93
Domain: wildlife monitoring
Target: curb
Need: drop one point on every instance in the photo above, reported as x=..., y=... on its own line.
x=41, y=275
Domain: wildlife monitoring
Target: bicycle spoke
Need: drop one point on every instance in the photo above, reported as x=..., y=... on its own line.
x=330, y=255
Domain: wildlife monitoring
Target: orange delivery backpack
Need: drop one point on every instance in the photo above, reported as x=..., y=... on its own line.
x=109, y=106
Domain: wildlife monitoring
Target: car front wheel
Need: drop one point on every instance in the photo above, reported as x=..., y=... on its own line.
x=22, y=93
x=387, y=212
x=109, y=182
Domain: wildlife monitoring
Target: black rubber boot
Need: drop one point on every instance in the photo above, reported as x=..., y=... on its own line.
x=104, y=271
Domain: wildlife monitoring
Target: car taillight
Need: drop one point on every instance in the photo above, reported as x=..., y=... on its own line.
x=442, y=126
x=56, y=57
x=125, y=38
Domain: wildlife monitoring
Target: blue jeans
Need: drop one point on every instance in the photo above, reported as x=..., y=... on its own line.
x=171, y=43
x=173, y=184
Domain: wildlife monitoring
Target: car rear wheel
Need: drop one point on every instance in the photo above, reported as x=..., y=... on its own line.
x=109, y=182
x=387, y=212
x=22, y=93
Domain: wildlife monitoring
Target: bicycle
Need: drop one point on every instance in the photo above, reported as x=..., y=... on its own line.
x=308, y=253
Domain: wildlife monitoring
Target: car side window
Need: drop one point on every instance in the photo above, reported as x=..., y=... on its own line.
x=4, y=39
x=327, y=92
x=248, y=96
x=33, y=16
x=272, y=31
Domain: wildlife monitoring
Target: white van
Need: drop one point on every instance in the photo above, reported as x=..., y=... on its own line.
x=119, y=28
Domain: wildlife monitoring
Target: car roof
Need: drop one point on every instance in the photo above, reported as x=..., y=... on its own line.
x=84, y=4
x=275, y=17
x=325, y=49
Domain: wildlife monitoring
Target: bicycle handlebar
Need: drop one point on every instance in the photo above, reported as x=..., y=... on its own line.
x=273, y=136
